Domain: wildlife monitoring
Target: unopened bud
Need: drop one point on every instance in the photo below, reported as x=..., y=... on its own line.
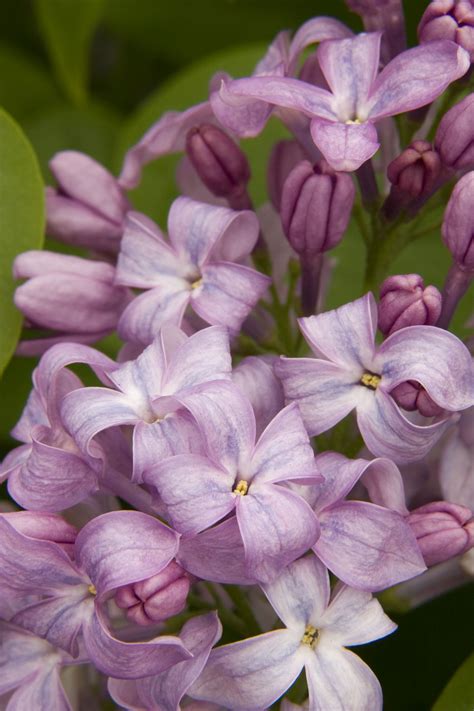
x=449, y=20
x=454, y=138
x=415, y=171
x=88, y=207
x=157, y=598
x=405, y=301
x=316, y=205
x=458, y=223
x=218, y=160
x=443, y=530
x=411, y=396
x=384, y=16
x=283, y=158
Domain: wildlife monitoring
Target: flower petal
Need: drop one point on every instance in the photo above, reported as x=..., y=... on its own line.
x=367, y=546
x=255, y=377
x=130, y=660
x=335, y=675
x=345, y=145
x=300, y=593
x=387, y=433
x=122, y=547
x=143, y=318
x=325, y=392
x=42, y=691
x=433, y=357
x=228, y=293
x=277, y=526
x=416, y=77
x=315, y=30
x=283, y=451
x=196, y=492
x=251, y=674
x=384, y=484
x=216, y=554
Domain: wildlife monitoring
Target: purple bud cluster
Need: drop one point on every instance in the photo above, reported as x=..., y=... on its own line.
x=179, y=527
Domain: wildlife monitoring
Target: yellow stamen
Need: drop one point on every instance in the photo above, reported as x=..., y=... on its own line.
x=310, y=637
x=370, y=380
x=354, y=121
x=241, y=488
x=92, y=589
x=196, y=284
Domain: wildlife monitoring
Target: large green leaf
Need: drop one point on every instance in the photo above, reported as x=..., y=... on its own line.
x=25, y=86
x=67, y=28
x=458, y=694
x=21, y=222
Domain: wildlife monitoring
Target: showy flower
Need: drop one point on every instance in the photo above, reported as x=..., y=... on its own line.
x=198, y=268
x=342, y=119
x=257, y=671
x=354, y=373
x=276, y=524
x=64, y=600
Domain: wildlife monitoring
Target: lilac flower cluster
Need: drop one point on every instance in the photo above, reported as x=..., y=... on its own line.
x=180, y=522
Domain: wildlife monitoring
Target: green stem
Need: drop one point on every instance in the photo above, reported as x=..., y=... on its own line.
x=243, y=608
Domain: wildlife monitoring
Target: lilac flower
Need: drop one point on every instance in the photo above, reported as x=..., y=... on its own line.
x=354, y=373
x=145, y=394
x=449, y=19
x=404, y=301
x=456, y=463
x=166, y=690
x=71, y=298
x=255, y=378
x=453, y=138
x=89, y=207
x=443, y=530
x=367, y=546
x=276, y=525
x=63, y=598
x=197, y=268
x=30, y=668
x=342, y=120
x=254, y=673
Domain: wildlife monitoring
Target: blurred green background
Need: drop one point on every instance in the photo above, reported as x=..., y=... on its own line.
x=93, y=75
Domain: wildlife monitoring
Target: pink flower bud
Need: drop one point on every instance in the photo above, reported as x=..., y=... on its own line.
x=454, y=138
x=316, y=205
x=449, y=20
x=157, y=598
x=284, y=157
x=443, y=530
x=404, y=301
x=218, y=160
x=415, y=171
x=411, y=396
x=89, y=207
x=458, y=223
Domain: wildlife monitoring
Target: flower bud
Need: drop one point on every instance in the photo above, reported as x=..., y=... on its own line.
x=157, y=598
x=458, y=223
x=218, y=160
x=284, y=157
x=73, y=296
x=316, y=205
x=88, y=207
x=404, y=301
x=454, y=138
x=415, y=171
x=443, y=530
x=411, y=396
x=449, y=20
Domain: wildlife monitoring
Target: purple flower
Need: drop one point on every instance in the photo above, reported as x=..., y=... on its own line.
x=63, y=600
x=342, y=120
x=254, y=673
x=276, y=524
x=456, y=463
x=197, y=268
x=71, y=298
x=458, y=223
x=89, y=207
x=454, y=136
x=449, y=20
x=443, y=530
x=354, y=373
x=404, y=301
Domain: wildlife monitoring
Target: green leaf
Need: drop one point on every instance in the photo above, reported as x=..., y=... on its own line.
x=190, y=86
x=458, y=694
x=67, y=28
x=21, y=222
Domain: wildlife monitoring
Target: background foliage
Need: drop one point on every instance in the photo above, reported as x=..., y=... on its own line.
x=93, y=75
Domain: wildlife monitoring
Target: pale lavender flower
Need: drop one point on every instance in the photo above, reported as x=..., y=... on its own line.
x=241, y=475
x=63, y=600
x=354, y=373
x=198, y=268
x=254, y=673
x=255, y=378
x=342, y=120
x=70, y=298
x=88, y=208
x=166, y=690
x=456, y=463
